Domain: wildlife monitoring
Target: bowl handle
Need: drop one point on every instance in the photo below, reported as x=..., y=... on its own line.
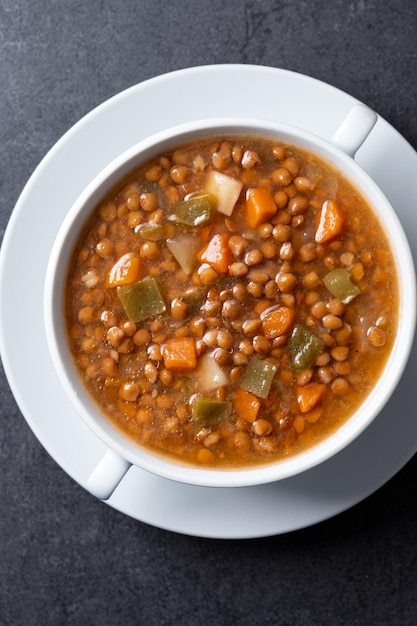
x=107, y=474
x=354, y=129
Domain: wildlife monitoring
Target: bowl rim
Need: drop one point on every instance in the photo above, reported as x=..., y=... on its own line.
x=272, y=470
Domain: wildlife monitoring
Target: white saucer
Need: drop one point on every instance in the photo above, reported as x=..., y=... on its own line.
x=229, y=90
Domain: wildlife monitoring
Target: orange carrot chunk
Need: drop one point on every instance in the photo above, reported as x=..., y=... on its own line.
x=179, y=353
x=277, y=322
x=217, y=253
x=246, y=405
x=127, y=270
x=329, y=222
x=308, y=396
x=260, y=206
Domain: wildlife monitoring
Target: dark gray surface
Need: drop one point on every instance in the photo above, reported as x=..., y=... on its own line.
x=66, y=558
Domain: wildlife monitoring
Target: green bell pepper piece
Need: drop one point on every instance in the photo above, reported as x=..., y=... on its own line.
x=304, y=347
x=192, y=212
x=210, y=412
x=142, y=299
x=339, y=284
x=151, y=231
x=258, y=377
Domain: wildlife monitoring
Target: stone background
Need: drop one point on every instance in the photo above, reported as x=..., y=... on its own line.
x=66, y=558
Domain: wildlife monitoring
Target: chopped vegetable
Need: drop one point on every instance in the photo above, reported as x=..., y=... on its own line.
x=210, y=412
x=246, y=405
x=308, y=396
x=224, y=189
x=179, y=353
x=339, y=283
x=184, y=248
x=217, y=253
x=142, y=299
x=260, y=206
x=151, y=231
x=127, y=270
x=277, y=322
x=304, y=347
x=192, y=212
x=329, y=223
x=258, y=377
x=209, y=373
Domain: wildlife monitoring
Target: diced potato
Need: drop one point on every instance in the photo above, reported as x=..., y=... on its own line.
x=209, y=374
x=184, y=248
x=225, y=190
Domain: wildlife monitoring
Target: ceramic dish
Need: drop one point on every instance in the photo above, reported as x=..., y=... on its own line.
x=211, y=512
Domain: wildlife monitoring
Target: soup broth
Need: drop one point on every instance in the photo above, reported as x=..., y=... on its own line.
x=231, y=302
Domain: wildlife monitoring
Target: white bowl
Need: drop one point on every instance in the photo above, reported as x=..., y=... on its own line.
x=122, y=451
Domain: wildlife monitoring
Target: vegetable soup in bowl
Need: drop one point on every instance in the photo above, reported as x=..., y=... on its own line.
x=230, y=302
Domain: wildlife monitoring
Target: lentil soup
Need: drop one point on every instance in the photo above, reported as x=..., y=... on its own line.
x=231, y=302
